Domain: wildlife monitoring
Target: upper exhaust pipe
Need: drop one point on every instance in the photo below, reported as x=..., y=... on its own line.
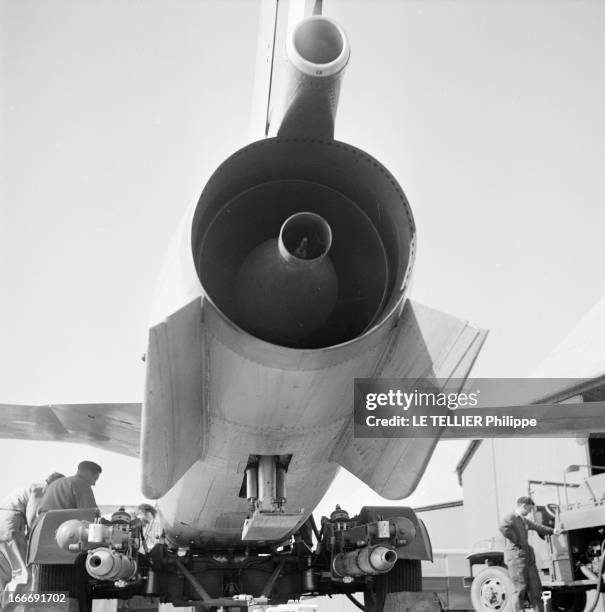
x=318, y=47
x=318, y=51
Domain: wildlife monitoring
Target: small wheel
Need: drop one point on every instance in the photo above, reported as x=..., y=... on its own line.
x=568, y=601
x=492, y=591
x=406, y=575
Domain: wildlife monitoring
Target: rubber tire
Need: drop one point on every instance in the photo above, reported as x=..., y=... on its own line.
x=406, y=575
x=568, y=601
x=501, y=578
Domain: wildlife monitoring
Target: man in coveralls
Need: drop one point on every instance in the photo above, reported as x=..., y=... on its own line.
x=18, y=512
x=519, y=555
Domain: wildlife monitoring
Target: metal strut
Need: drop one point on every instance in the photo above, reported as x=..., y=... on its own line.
x=195, y=583
x=266, y=484
x=272, y=579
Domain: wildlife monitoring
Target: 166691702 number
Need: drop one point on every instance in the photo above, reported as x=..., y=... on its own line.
x=39, y=598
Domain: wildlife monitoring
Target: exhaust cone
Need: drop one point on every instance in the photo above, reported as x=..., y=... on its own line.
x=286, y=288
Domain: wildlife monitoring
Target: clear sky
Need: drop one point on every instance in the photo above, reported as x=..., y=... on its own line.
x=113, y=112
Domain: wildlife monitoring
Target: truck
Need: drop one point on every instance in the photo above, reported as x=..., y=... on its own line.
x=569, y=564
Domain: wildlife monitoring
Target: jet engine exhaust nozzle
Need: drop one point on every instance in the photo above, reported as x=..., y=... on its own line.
x=287, y=288
x=290, y=291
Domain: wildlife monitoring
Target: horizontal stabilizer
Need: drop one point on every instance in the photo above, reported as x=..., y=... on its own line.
x=425, y=344
x=112, y=427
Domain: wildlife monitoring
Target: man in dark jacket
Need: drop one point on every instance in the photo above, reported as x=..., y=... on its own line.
x=73, y=491
x=519, y=555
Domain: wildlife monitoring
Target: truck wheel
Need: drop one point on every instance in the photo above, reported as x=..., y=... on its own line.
x=406, y=575
x=492, y=591
x=568, y=601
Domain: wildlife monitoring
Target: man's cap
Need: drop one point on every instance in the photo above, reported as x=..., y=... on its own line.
x=90, y=465
x=54, y=476
x=147, y=508
x=522, y=501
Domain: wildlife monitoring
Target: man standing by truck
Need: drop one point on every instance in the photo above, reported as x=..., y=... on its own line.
x=519, y=555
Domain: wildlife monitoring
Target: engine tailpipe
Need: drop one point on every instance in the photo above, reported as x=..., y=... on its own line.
x=287, y=287
x=106, y=564
x=317, y=51
x=366, y=561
